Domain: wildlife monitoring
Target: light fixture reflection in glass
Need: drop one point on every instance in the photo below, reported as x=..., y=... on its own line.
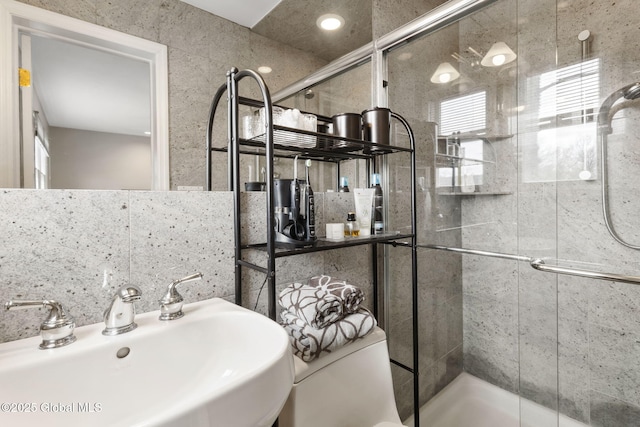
x=445, y=73
x=498, y=55
x=330, y=22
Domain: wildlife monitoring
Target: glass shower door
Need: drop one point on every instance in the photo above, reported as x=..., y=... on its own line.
x=457, y=86
x=598, y=160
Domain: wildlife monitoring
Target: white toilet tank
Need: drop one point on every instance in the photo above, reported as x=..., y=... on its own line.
x=350, y=387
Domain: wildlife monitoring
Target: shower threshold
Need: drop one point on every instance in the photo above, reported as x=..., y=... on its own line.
x=471, y=402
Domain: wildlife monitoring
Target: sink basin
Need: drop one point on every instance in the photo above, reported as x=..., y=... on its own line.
x=219, y=365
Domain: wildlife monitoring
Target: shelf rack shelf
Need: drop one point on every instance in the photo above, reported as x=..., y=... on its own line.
x=289, y=142
x=324, y=244
x=280, y=141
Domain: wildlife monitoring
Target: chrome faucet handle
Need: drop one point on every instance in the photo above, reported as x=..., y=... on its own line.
x=119, y=317
x=171, y=303
x=57, y=328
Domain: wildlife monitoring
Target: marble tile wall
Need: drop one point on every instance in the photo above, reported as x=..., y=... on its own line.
x=78, y=247
x=599, y=353
x=565, y=342
x=201, y=48
x=490, y=290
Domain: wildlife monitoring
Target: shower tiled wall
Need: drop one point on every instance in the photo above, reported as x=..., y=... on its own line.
x=565, y=342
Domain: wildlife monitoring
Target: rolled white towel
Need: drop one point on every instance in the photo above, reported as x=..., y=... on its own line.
x=314, y=306
x=350, y=295
x=310, y=343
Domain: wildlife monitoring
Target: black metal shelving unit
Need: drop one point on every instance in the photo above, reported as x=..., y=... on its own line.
x=283, y=142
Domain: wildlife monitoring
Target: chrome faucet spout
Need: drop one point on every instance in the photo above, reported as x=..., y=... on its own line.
x=57, y=328
x=119, y=317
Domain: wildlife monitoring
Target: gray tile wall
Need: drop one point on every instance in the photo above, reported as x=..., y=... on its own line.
x=78, y=247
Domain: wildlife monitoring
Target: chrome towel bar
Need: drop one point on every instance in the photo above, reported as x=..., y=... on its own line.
x=478, y=252
x=540, y=265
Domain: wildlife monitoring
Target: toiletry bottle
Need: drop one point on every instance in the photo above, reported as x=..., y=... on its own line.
x=352, y=228
x=378, y=221
x=344, y=185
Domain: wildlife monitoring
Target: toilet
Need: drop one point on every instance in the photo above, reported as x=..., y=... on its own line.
x=350, y=387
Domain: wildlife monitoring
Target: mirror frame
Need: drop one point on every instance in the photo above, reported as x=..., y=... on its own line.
x=18, y=17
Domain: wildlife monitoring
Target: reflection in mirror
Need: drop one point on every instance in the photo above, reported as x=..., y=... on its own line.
x=89, y=110
x=347, y=92
x=93, y=117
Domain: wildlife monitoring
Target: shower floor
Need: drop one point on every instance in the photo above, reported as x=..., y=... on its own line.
x=471, y=402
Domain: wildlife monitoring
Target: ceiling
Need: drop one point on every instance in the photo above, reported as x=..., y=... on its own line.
x=244, y=12
x=293, y=22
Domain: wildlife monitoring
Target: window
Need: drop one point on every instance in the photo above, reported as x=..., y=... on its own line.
x=463, y=114
x=467, y=113
x=562, y=143
x=570, y=92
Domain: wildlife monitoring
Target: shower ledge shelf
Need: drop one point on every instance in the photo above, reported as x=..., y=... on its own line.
x=476, y=193
x=473, y=136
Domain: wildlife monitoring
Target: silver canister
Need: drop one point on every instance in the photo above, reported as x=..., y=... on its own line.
x=376, y=125
x=347, y=125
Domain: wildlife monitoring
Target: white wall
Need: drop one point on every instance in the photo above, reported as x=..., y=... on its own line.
x=96, y=160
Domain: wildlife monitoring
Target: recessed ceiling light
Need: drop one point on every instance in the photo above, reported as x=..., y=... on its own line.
x=330, y=22
x=264, y=69
x=147, y=132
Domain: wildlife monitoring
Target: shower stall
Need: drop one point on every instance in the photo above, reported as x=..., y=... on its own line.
x=528, y=177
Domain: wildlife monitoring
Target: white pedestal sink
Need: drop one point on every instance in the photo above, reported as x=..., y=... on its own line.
x=219, y=365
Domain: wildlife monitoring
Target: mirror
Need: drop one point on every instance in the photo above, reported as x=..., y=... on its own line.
x=43, y=42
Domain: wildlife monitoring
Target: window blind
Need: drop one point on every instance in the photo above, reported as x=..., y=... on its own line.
x=570, y=89
x=464, y=113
